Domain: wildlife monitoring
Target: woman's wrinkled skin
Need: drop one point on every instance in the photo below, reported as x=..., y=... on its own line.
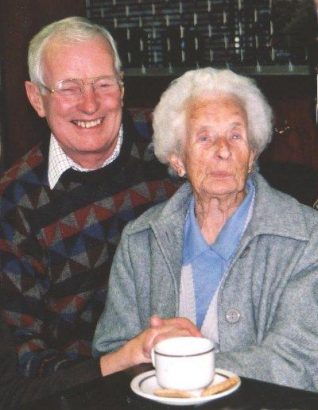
x=216, y=157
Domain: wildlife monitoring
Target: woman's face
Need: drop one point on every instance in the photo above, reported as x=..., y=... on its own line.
x=216, y=154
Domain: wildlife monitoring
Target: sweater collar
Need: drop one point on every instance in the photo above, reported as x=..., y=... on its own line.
x=59, y=162
x=128, y=148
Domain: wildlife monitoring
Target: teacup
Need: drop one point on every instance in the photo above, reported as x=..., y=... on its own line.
x=184, y=363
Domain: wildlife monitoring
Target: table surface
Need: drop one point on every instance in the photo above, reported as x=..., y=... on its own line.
x=114, y=393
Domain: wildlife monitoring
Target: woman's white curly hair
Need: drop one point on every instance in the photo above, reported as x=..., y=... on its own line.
x=169, y=117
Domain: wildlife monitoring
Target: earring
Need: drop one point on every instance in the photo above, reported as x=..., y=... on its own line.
x=181, y=172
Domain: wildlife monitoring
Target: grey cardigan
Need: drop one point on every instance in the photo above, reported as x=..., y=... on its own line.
x=268, y=300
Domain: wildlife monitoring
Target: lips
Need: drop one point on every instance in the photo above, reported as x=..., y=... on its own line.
x=87, y=124
x=220, y=174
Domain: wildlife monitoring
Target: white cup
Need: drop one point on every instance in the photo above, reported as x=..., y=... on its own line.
x=184, y=363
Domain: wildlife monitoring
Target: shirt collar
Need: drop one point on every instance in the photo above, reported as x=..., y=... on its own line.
x=59, y=162
x=229, y=236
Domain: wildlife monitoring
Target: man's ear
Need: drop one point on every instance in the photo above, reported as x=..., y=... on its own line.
x=177, y=164
x=122, y=87
x=35, y=98
x=122, y=90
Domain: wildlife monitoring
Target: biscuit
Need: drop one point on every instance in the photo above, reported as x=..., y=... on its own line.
x=220, y=387
x=174, y=393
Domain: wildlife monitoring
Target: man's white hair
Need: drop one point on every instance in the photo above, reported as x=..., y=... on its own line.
x=68, y=30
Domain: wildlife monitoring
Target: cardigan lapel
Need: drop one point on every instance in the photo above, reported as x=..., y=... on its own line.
x=169, y=231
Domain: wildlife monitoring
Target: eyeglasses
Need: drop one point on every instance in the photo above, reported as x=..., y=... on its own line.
x=73, y=88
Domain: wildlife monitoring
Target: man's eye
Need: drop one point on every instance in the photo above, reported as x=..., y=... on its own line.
x=104, y=84
x=69, y=88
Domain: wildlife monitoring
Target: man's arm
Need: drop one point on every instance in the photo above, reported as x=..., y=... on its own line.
x=16, y=390
x=24, y=294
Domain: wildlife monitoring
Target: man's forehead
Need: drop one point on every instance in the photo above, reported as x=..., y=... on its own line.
x=60, y=43
x=66, y=57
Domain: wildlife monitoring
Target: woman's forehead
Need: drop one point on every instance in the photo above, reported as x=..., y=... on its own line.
x=214, y=105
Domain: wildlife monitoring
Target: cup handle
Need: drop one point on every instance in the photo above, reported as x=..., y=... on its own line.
x=152, y=354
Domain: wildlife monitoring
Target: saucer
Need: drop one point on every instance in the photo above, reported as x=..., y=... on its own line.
x=145, y=384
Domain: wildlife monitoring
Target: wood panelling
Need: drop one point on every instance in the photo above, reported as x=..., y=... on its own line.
x=19, y=21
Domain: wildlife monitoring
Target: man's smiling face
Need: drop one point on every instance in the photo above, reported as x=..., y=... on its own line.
x=86, y=127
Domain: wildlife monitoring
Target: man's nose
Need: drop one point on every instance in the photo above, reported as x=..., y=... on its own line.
x=89, y=100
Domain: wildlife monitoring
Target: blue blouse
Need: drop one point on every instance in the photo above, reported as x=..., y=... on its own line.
x=210, y=261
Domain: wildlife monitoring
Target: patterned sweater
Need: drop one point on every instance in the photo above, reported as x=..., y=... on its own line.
x=56, y=247
x=17, y=390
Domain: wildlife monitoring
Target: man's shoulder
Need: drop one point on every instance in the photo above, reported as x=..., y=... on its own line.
x=29, y=168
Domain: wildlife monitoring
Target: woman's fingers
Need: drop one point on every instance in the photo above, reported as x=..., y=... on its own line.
x=178, y=323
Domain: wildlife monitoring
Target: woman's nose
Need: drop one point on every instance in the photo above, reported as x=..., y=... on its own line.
x=222, y=148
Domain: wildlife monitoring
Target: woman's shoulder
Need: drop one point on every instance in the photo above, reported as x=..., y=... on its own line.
x=279, y=198
x=161, y=212
x=145, y=219
x=277, y=209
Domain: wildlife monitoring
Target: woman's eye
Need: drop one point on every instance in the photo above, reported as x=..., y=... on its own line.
x=203, y=138
x=236, y=136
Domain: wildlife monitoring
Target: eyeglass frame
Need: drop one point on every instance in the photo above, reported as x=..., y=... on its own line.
x=81, y=81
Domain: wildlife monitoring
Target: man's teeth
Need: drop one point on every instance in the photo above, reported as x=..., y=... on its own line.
x=88, y=124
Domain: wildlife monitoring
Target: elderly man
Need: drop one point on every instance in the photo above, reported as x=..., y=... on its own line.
x=64, y=204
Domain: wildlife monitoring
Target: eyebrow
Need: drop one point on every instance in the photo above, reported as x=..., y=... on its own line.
x=233, y=124
x=114, y=77
x=237, y=124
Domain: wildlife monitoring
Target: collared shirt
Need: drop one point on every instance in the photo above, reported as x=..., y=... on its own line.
x=210, y=261
x=59, y=162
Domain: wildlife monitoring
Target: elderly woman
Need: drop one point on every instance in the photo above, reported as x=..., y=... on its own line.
x=227, y=252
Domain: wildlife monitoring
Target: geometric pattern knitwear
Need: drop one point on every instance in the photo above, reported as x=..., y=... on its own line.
x=56, y=247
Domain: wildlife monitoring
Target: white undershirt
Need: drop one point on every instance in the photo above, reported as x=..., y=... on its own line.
x=59, y=162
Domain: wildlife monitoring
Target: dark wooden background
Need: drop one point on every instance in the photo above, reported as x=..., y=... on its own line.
x=19, y=21
x=292, y=96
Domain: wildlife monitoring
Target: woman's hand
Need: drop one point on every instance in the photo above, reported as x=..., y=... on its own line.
x=178, y=326
x=138, y=349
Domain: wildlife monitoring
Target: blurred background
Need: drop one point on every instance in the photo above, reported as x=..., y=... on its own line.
x=274, y=41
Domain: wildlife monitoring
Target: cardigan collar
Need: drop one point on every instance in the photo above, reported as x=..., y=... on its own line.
x=267, y=217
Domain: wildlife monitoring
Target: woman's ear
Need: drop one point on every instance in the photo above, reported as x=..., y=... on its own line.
x=177, y=164
x=251, y=161
x=35, y=98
